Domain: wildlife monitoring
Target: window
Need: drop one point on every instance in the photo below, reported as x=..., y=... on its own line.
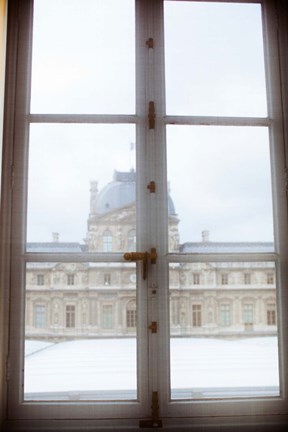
x=248, y=315
x=196, y=315
x=270, y=278
x=40, y=279
x=131, y=315
x=70, y=316
x=196, y=278
x=107, y=317
x=107, y=241
x=70, y=279
x=40, y=316
x=225, y=319
x=247, y=278
x=271, y=314
x=132, y=240
x=107, y=279
x=205, y=106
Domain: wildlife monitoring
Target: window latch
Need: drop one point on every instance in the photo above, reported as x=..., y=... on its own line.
x=144, y=257
x=155, y=421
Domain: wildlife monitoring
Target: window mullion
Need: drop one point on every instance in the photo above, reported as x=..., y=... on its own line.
x=159, y=214
x=217, y=121
x=83, y=118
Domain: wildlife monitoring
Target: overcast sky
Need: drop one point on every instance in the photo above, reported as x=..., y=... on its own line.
x=84, y=62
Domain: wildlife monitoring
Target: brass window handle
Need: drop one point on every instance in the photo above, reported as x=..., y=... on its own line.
x=142, y=256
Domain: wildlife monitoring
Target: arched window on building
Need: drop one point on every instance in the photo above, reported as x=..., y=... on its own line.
x=225, y=315
x=39, y=316
x=107, y=241
x=132, y=240
x=248, y=316
x=131, y=315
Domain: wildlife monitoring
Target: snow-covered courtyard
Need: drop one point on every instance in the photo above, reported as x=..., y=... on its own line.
x=106, y=368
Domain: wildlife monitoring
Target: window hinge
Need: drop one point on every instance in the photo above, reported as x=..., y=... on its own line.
x=151, y=115
x=152, y=187
x=154, y=422
x=150, y=43
x=153, y=327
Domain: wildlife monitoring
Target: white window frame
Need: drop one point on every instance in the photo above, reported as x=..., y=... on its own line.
x=201, y=413
x=20, y=35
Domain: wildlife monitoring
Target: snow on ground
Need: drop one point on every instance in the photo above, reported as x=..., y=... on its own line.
x=224, y=363
x=98, y=364
x=32, y=347
x=110, y=364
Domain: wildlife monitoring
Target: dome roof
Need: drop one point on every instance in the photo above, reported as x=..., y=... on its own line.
x=120, y=193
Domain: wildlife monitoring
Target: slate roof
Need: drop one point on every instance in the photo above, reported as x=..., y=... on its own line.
x=189, y=247
x=227, y=247
x=54, y=247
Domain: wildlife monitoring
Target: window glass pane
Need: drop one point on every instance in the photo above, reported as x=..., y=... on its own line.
x=213, y=66
x=220, y=181
x=83, y=57
x=224, y=341
x=80, y=173
x=39, y=312
x=80, y=341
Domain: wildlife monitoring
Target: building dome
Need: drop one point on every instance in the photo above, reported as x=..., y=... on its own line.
x=121, y=192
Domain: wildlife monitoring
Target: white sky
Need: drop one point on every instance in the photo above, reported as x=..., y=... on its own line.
x=84, y=62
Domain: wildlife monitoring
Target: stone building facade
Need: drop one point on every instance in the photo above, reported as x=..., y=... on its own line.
x=82, y=300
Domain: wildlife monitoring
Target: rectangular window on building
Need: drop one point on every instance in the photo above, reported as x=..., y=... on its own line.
x=270, y=278
x=271, y=314
x=70, y=316
x=247, y=278
x=196, y=315
x=107, y=279
x=224, y=279
x=70, y=279
x=196, y=278
x=225, y=315
x=40, y=279
x=107, y=317
x=40, y=316
x=107, y=241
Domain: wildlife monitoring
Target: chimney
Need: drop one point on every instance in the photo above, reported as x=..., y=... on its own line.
x=55, y=237
x=205, y=236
